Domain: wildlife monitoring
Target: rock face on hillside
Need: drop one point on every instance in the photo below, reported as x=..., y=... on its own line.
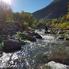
x=56, y=9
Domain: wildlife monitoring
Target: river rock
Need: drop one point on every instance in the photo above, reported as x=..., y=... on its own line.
x=11, y=46
x=34, y=34
x=37, y=36
x=28, y=36
x=33, y=39
x=61, y=37
x=54, y=65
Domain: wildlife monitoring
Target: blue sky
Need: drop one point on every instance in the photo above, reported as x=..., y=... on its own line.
x=30, y=5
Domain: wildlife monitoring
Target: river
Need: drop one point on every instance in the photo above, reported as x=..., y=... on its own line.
x=27, y=57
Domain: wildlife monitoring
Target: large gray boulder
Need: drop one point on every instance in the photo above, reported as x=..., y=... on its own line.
x=11, y=45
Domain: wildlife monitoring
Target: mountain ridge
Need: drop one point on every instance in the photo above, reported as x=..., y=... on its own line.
x=55, y=10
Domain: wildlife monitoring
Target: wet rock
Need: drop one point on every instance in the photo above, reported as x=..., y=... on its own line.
x=61, y=37
x=31, y=36
x=48, y=32
x=11, y=46
x=36, y=35
x=33, y=39
x=61, y=32
x=63, y=61
x=54, y=65
x=27, y=36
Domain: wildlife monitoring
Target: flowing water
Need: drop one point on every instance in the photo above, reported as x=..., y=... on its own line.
x=26, y=57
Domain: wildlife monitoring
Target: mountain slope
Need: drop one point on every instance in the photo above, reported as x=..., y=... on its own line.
x=56, y=9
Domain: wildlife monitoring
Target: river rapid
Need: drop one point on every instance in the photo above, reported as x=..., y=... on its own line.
x=27, y=58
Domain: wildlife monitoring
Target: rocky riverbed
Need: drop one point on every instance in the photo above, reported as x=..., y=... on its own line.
x=46, y=53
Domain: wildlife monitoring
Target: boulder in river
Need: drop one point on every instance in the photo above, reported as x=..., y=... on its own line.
x=54, y=65
x=33, y=39
x=36, y=35
x=27, y=36
x=11, y=46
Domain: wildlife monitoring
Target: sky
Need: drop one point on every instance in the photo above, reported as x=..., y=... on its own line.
x=29, y=5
